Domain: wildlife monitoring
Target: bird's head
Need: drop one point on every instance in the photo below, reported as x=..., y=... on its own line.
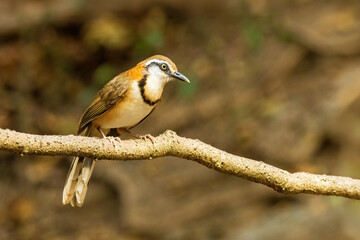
x=162, y=68
x=152, y=74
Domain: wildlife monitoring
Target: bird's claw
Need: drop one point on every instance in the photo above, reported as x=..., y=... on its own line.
x=113, y=141
x=148, y=136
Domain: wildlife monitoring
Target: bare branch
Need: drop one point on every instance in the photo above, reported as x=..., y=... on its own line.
x=169, y=144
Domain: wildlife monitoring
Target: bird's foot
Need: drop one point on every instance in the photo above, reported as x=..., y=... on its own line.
x=148, y=136
x=114, y=141
x=145, y=137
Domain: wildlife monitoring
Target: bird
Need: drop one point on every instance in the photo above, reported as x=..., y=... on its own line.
x=123, y=103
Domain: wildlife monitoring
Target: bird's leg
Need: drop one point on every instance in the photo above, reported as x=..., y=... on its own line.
x=111, y=139
x=101, y=132
x=147, y=136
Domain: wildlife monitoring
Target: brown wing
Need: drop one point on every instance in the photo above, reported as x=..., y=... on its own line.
x=113, y=92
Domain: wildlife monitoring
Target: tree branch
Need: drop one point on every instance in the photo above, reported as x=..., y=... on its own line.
x=169, y=144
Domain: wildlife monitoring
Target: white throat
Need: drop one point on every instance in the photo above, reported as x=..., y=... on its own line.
x=154, y=87
x=155, y=82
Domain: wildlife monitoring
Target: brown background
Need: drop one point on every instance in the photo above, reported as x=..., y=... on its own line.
x=277, y=81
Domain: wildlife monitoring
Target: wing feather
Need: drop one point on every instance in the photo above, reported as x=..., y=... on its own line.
x=113, y=92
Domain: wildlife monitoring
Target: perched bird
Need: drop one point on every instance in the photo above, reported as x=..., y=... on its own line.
x=122, y=103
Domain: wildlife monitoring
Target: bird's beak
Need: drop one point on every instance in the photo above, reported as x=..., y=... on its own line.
x=179, y=76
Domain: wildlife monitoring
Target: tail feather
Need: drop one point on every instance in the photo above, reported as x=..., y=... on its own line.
x=83, y=180
x=77, y=181
x=71, y=180
x=78, y=178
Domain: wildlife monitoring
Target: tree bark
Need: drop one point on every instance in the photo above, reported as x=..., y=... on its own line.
x=170, y=144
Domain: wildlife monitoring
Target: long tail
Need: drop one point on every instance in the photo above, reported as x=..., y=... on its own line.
x=76, y=184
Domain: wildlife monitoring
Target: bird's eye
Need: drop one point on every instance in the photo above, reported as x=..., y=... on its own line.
x=164, y=66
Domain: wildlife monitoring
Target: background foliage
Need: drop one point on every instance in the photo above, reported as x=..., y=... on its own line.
x=277, y=81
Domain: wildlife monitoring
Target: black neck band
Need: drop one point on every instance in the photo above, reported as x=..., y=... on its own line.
x=142, y=84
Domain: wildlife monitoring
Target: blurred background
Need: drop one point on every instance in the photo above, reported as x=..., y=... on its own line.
x=276, y=81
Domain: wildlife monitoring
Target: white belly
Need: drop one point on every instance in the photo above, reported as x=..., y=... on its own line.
x=127, y=113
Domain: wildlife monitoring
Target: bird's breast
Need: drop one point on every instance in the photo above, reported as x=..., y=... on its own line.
x=126, y=113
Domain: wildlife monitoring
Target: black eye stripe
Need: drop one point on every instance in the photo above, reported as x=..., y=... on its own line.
x=162, y=66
